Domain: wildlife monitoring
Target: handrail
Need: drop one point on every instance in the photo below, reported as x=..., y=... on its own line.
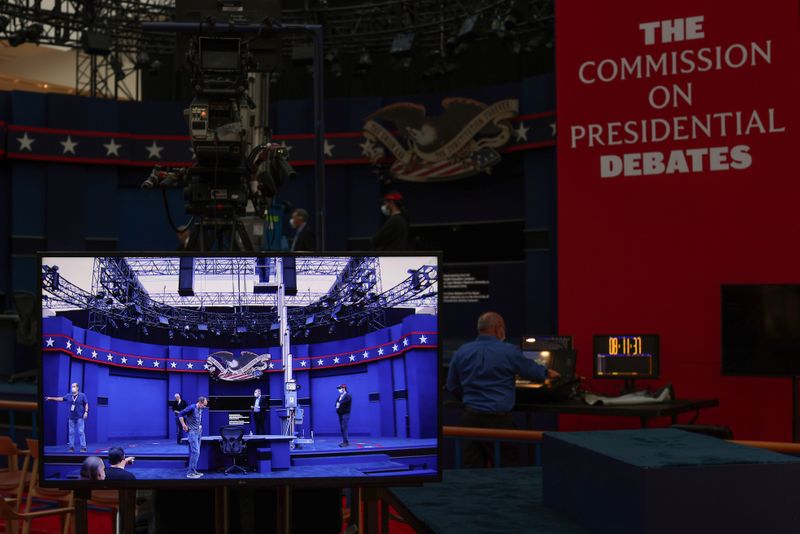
x=492, y=433
x=21, y=406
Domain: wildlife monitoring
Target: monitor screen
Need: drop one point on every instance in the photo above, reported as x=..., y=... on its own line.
x=325, y=368
x=761, y=330
x=626, y=356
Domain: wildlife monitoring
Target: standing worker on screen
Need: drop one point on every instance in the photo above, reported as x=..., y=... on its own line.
x=482, y=375
x=177, y=407
x=78, y=413
x=343, y=403
x=393, y=235
x=191, y=419
x=259, y=412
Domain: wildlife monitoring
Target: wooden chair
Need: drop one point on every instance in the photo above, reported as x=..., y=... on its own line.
x=13, y=517
x=107, y=499
x=12, y=478
x=62, y=497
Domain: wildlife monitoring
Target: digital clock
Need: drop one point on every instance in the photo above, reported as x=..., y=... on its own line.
x=626, y=356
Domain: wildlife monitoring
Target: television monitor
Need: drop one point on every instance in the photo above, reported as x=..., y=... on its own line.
x=124, y=328
x=553, y=352
x=628, y=356
x=761, y=330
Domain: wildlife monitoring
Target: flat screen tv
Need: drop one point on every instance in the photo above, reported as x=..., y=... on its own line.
x=344, y=351
x=626, y=356
x=761, y=330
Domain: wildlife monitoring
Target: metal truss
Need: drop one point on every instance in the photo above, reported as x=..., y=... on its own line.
x=228, y=299
x=327, y=266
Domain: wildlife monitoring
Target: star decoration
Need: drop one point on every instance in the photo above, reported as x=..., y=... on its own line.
x=79, y=350
x=69, y=344
x=50, y=341
x=423, y=339
x=173, y=364
x=365, y=355
x=553, y=129
x=336, y=360
x=190, y=366
x=25, y=142
x=156, y=363
x=405, y=341
x=328, y=148
x=69, y=145
x=320, y=362
x=112, y=148
x=94, y=354
x=110, y=358
x=302, y=363
x=271, y=365
x=521, y=132
x=139, y=361
x=380, y=351
x=154, y=151
x=395, y=347
x=367, y=148
x=123, y=359
x=352, y=357
x=206, y=366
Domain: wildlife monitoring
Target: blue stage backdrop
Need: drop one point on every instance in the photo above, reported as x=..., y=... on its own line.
x=392, y=375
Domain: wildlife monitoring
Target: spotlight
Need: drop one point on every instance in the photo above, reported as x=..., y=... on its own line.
x=17, y=38
x=364, y=62
x=171, y=334
x=467, y=30
x=331, y=56
x=401, y=45
x=307, y=332
x=142, y=59
x=155, y=66
x=332, y=329
x=145, y=331
x=35, y=31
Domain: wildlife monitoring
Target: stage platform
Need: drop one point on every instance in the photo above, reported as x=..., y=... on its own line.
x=159, y=459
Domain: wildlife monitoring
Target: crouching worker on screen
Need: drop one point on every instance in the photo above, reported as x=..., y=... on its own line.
x=191, y=422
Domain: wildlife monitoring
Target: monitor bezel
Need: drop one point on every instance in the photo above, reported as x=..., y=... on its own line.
x=655, y=376
x=309, y=482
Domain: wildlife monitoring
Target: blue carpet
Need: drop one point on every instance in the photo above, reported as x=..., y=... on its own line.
x=486, y=501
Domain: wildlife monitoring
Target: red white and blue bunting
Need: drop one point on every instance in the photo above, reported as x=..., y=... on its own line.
x=79, y=351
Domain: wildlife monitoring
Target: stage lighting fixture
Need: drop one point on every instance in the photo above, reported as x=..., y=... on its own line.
x=310, y=319
x=332, y=56
x=145, y=331
x=402, y=44
x=155, y=66
x=303, y=54
x=171, y=334
x=364, y=62
x=202, y=327
x=467, y=30
x=163, y=320
x=332, y=329
x=17, y=38
x=96, y=43
x=186, y=327
x=116, y=66
x=307, y=332
x=241, y=329
x=142, y=59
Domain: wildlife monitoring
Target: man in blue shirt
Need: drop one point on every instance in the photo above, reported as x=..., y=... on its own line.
x=78, y=413
x=191, y=419
x=482, y=375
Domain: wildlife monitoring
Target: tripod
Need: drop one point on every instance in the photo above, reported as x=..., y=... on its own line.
x=226, y=234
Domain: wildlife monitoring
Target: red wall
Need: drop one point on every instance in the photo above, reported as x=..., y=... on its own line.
x=648, y=253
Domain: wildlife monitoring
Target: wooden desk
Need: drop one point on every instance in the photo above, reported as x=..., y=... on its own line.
x=211, y=456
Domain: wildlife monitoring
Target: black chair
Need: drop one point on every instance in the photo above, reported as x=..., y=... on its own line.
x=233, y=445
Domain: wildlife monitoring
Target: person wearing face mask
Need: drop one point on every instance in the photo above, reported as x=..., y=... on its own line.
x=482, y=375
x=177, y=407
x=259, y=410
x=304, y=238
x=343, y=402
x=78, y=413
x=191, y=419
x=393, y=235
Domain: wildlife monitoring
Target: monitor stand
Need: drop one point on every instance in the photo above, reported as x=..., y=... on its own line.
x=629, y=386
x=795, y=415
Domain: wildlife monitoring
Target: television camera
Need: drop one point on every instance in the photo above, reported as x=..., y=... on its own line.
x=236, y=162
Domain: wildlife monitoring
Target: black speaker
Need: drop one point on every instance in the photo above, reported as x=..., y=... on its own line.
x=186, y=277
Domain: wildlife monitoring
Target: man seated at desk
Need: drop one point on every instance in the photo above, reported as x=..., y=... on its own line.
x=482, y=375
